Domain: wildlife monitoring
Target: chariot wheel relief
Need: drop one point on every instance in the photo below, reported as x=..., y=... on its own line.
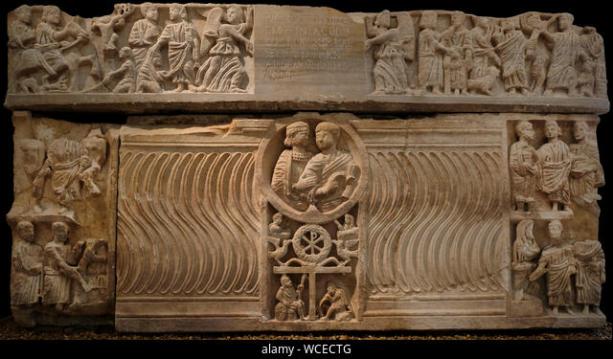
x=312, y=243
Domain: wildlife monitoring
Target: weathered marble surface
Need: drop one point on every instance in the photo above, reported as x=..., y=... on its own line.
x=202, y=57
x=302, y=221
x=428, y=242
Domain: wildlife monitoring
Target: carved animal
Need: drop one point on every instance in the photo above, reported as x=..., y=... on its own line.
x=484, y=84
x=343, y=252
x=279, y=251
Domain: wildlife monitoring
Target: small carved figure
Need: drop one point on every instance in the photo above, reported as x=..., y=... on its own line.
x=394, y=47
x=33, y=158
x=511, y=45
x=523, y=161
x=347, y=239
x=483, y=55
x=555, y=161
x=594, y=47
x=291, y=164
x=566, y=51
x=29, y=60
x=126, y=73
x=183, y=48
x=91, y=265
x=60, y=269
x=148, y=79
x=586, y=80
x=335, y=305
x=107, y=27
x=71, y=164
x=329, y=176
x=591, y=273
x=27, y=276
x=536, y=56
x=348, y=225
x=586, y=171
x=52, y=42
x=430, y=52
x=278, y=236
x=144, y=33
x=94, y=155
x=457, y=59
x=525, y=250
x=224, y=69
x=277, y=227
x=558, y=262
x=290, y=305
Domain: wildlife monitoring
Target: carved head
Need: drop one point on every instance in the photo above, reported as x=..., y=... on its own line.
x=277, y=218
x=25, y=230
x=327, y=135
x=555, y=230
x=525, y=230
x=59, y=231
x=457, y=18
x=52, y=15
x=330, y=287
x=565, y=21
x=24, y=14
x=580, y=130
x=149, y=11
x=286, y=281
x=509, y=24
x=125, y=53
x=384, y=19
x=428, y=20
x=178, y=12
x=481, y=22
x=349, y=220
x=552, y=130
x=524, y=130
x=234, y=15
x=493, y=71
x=297, y=134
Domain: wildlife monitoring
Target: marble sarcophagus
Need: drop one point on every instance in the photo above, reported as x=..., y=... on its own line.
x=292, y=168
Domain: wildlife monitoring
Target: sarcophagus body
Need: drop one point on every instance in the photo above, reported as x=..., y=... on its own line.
x=319, y=170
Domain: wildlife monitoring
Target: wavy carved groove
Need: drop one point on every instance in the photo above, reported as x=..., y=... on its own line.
x=187, y=224
x=436, y=222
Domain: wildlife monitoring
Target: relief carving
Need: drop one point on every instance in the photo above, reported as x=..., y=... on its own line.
x=524, y=166
x=316, y=182
x=459, y=54
x=586, y=174
x=123, y=51
x=63, y=200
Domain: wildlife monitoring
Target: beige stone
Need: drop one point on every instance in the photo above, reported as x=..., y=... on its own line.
x=63, y=221
x=203, y=57
x=278, y=220
x=404, y=224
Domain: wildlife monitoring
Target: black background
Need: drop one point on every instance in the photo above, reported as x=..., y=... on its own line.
x=592, y=13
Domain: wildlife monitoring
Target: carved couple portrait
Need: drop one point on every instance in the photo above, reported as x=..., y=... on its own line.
x=314, y=172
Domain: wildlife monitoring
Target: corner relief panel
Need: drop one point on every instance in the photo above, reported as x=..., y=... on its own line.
x=63, y=221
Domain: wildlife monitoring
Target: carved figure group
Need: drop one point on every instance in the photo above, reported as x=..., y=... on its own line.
x=530, y=54
x=49, y=55
x=561, y=172
x=574, y=271
x=54, y=276
x=320, y=181
x=73, y=167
